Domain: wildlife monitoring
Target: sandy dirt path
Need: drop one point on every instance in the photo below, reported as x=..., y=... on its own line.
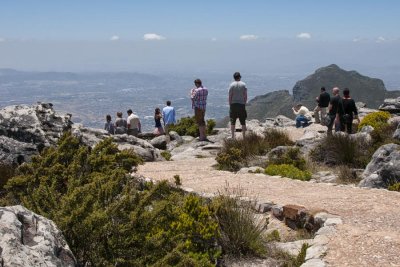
x=369, y=235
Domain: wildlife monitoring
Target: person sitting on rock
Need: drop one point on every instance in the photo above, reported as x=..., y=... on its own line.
x=109, y=126
x=302, y=115
x=120, y=124
x=134, y=125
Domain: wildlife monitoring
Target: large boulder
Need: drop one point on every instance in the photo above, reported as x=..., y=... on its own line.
x=391, y=105
x=28, y=239
x=383, y=169
x=159, y=142
x=14, y=152
x=37, y=124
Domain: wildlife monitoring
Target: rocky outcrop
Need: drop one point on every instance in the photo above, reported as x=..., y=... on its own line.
x=384, y=168
x=28, y=239
x=391, y=105
x=371, y=91
x=26, y=130
x=13, y=152
x=37, y=124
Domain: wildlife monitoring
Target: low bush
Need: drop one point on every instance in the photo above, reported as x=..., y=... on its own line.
x=340, y=149
x=375, y=119
x=110, y=218
x=347, y=175
x=236, y=153
x=274, y=236
x=394, y=187
x=166, y=155
x=6, y=172
x=241, y=234
x=291, y=156
x=188, y=126
x=289, y=171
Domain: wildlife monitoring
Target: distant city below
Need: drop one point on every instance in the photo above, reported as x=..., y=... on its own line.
x=89, y=97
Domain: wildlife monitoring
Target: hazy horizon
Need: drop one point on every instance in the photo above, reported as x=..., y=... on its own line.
x=258, y=37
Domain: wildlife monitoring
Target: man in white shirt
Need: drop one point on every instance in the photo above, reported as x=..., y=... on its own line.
x=302, y=115
x=134, y=126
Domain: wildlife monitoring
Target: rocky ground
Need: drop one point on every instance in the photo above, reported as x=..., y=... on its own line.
x=371, y=218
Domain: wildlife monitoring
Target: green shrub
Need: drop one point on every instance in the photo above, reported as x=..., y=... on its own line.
x=166, y=155
x=188, y=126
x=292, y=156
x=241, y=234
x=375, y=119
x=339, y=149
x=289, y=171
x=230, y=160
x=274, y=138
x=274, y=236
x=110, y=218
x=301, y=257
x=347, y=176
x=6, y=172
x=394, y=187
x=236, y=153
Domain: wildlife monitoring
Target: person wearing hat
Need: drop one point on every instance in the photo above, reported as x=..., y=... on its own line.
x=237, y=103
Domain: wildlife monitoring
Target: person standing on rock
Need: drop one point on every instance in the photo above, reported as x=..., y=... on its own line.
x=237, y=103
x=134, y=126
x=158, y=129
x=336, y=112
x=198, y=96
x=168, y=116
x=323, y=103
x=350, y=108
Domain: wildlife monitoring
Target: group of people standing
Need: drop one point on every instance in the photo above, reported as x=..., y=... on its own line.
x=334, y=112
x=198, y=96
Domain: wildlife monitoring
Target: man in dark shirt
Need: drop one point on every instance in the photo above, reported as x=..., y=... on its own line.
x=336, y=112
x=323, y=102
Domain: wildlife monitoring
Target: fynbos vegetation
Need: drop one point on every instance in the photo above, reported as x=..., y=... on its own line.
x=236, y=153
x=188, y=126
x=110, y=218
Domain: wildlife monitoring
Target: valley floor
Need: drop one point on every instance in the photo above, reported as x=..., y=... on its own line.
x=369, y=235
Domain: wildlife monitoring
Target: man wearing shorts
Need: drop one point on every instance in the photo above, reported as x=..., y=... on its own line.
x=199, y=101
x=237, y=103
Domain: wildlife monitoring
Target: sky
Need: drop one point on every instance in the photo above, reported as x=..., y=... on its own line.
x=145, y=36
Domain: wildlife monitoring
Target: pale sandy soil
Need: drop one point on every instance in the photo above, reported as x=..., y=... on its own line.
x=369, y=236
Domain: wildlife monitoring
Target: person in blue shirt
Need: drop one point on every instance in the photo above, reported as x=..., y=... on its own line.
x=168, y=115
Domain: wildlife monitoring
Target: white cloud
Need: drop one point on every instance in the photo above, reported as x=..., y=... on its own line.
x=357, y=39
x=248, y=37
x=214, y=39
x=381, y=39
x=2, y=40
x=304, y=35
x=114, y=38
x=152, y=37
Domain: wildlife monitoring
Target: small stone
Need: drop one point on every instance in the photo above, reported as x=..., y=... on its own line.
x=326, y=230
x=314, y=263
x=333, y=221
x=277, y=211
x=315, y=252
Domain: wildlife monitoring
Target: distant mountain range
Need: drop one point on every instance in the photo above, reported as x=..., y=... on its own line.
x=371, y=91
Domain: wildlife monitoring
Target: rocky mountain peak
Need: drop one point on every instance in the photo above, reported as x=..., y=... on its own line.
x=371, y=91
